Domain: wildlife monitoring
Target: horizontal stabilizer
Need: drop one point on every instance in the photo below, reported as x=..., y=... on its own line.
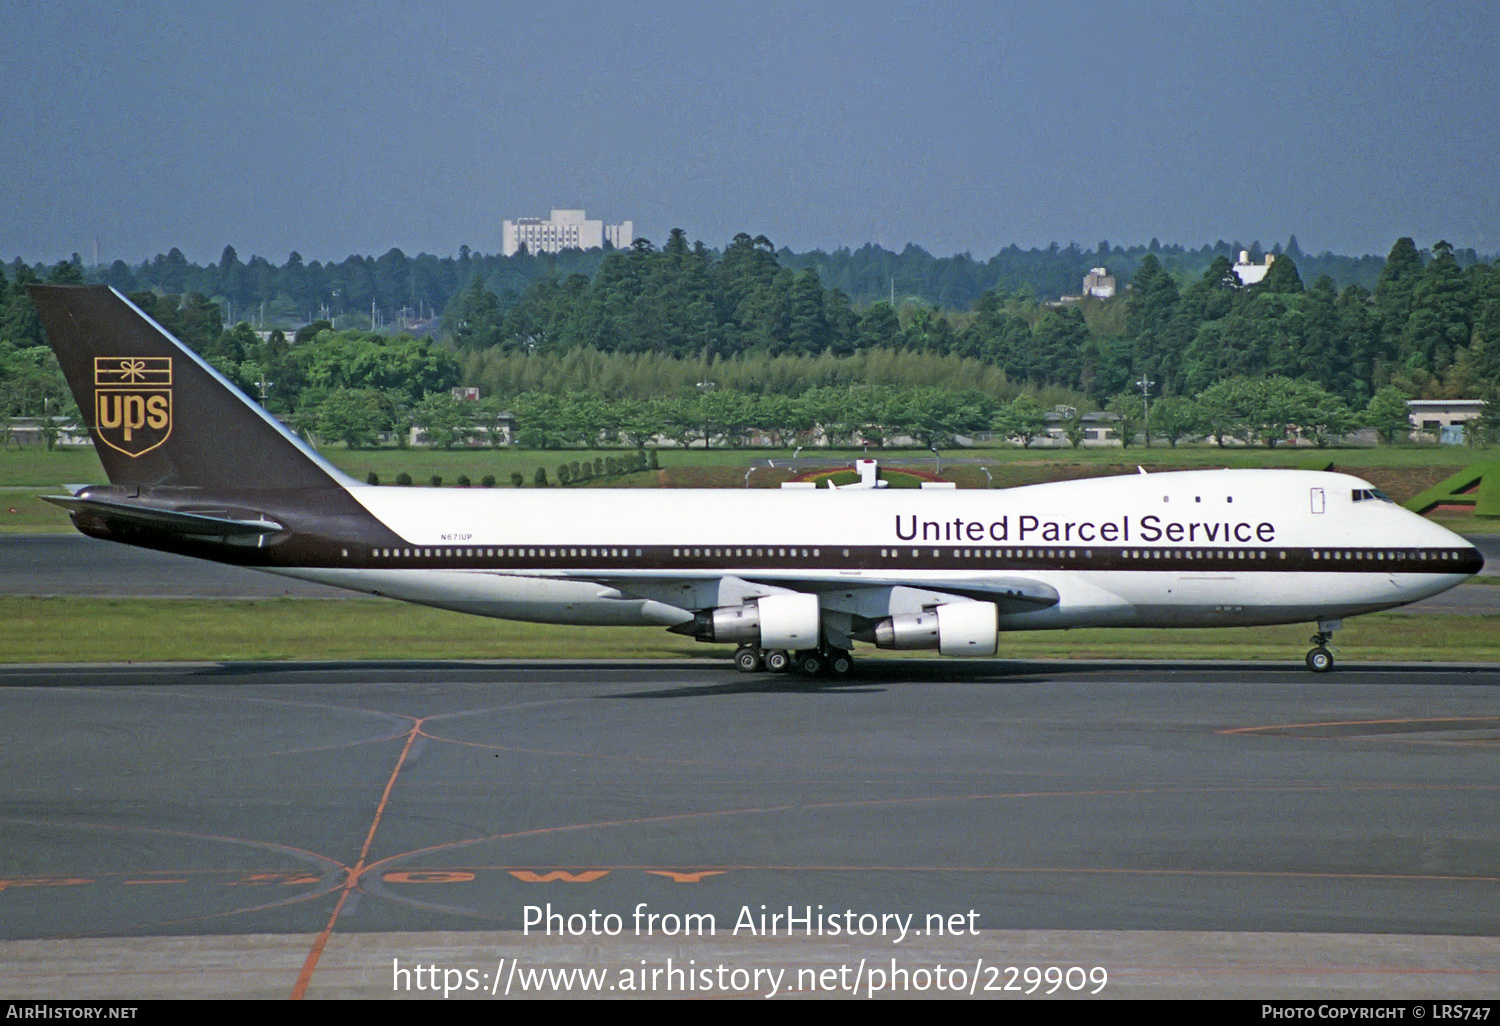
x=171, y=521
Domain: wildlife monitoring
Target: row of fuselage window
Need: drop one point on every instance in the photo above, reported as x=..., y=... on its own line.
x=1354, y=555
x=1370, y=555
x=1379, y=554
x=551, y=553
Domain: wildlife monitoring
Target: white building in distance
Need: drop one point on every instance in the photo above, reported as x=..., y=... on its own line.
x=1442, y=420
x=1251, y=274
x=565, y=229
x=1098, y=284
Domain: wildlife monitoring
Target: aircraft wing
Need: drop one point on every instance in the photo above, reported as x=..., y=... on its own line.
x=796, y=610
x=1010, y=594
x=1018, y=593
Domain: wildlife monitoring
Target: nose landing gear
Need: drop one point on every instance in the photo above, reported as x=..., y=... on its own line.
x=1320, y=660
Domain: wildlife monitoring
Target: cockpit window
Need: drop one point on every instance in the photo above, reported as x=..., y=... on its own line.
x=1364, y=494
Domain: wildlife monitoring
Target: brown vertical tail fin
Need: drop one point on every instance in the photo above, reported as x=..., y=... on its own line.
x=159, y=414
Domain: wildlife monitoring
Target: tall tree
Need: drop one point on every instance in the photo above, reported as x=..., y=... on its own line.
x=1441, y=309
x=1394, y=294
x=1148, y=312
x=1282, y=277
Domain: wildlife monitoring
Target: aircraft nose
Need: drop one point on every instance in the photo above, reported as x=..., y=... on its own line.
x=1470, y=559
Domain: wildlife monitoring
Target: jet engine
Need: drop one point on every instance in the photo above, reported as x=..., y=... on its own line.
x=954, y=629
x=776, y=621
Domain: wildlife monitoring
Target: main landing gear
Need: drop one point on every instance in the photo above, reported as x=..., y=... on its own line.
x=834, y=662
x=1320, y=660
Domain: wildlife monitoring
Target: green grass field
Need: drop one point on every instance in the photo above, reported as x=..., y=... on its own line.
x=120, y=630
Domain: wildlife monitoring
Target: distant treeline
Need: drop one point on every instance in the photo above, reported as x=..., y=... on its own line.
x=870, y=273
x=646, y=321
x=400, y=287
x=357, y=386
x=1424, y=326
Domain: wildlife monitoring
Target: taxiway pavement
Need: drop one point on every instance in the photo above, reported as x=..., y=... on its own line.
x=1207, y=829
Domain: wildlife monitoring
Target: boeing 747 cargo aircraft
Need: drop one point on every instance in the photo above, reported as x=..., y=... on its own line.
x=791, y=577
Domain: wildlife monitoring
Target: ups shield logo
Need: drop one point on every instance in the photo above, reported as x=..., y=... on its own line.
x=133, y=402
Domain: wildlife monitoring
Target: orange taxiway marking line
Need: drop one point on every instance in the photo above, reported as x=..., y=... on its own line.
x=1362, y=723
x=352, y=880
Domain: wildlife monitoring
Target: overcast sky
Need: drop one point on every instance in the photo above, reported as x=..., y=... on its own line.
x=333, y=128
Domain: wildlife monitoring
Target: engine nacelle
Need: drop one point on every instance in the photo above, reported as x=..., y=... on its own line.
x=775, y=621
x=954, y=629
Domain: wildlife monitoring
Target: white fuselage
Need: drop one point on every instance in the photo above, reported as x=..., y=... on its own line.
x=1198, y=548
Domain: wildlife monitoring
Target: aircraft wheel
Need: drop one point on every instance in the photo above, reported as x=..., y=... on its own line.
x=840, y=663
x=747, y=659
x=1320, y=660
x=810, y=663
x=778, y=660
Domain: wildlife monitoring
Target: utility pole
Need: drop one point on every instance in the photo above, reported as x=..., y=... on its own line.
x=1146, y=385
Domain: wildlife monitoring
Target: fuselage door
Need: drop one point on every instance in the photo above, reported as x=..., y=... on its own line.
x=1317, y=500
